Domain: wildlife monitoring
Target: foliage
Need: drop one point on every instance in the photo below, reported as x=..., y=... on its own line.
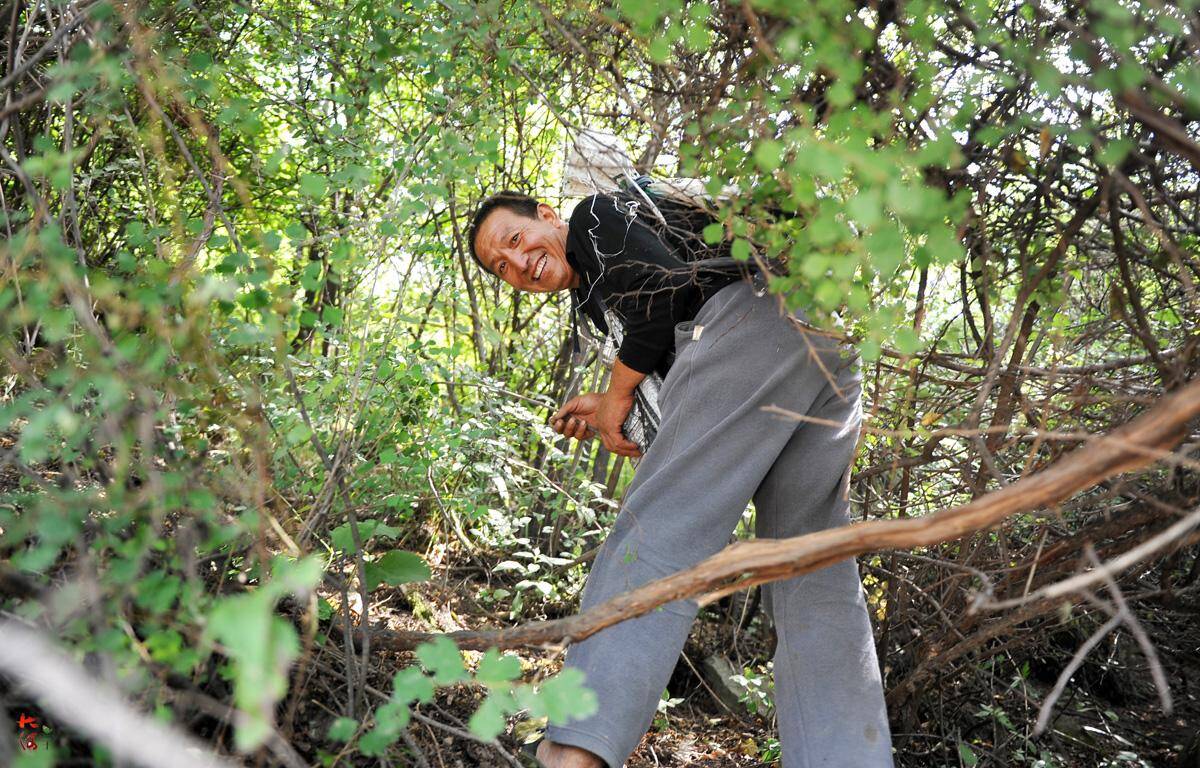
x=758, y=689
x=253, y=391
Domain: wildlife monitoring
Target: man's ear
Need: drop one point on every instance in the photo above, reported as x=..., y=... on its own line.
x=548, y=214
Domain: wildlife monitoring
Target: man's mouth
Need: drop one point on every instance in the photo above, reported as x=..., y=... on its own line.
x=541, y=265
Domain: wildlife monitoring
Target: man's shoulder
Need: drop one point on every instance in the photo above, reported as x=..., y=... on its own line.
x=602, y=209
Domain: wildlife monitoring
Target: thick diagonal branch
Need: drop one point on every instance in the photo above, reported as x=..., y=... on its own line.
x=1137, y=444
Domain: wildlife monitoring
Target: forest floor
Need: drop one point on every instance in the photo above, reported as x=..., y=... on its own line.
x=1109, y=714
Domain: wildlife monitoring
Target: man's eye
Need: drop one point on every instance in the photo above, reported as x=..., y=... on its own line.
x=501, y=266
x=513, y=240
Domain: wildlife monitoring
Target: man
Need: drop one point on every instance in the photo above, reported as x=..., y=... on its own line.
x=727, y=352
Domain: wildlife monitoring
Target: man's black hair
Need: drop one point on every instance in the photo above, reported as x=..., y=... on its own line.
x=517, y=202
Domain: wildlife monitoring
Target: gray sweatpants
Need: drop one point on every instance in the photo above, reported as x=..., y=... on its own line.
x=716, y=449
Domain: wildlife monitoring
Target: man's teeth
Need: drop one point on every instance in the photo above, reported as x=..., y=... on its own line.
x=537, y=272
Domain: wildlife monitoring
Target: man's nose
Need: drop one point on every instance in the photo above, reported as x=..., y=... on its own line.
x=518, y=259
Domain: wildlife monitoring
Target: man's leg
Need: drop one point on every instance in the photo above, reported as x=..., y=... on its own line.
x=828, y=691
x=714, y=447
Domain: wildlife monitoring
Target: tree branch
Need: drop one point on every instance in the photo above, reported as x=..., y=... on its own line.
x=74, y=698
x=1137, y=444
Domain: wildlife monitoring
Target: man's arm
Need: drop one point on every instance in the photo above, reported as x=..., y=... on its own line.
x=614, y=408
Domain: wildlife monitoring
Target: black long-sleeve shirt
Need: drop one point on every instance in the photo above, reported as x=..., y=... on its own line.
x=651, y=275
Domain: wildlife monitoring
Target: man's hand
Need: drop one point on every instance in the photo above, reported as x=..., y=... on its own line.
x=591, y=414
x=577, y=417
x=610, y=418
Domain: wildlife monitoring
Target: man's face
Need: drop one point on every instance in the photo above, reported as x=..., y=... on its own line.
x=528, y=254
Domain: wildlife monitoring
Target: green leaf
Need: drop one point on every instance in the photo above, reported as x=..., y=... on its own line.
x=199, y=61
x=885, y=246
x=1114, y=152
x=866, y=208
x=495, y=669
x=829, y=294
x=343, y=729
x=310, y=277
x=156, y=592
x=490, y=719
x=332, y=316
x=563, y=698
x=714, y=233
x=907, y=341
x=390, y=720
x=659, y=49
x=826, y=164
x=768, y=154
x=342, y=539
x=698, y=37
x=967, y=755
x=442, y=658
x=375, y=743
x=255, y=299
x=262, y=647
x=135, y=234
x=944, y=246
x=299, y=433
x=313, y=185
x=395, y=568
x=411, y=684
x=293, y=576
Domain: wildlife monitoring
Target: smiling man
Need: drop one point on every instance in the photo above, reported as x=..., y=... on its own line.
x=524, y=242
x=652, y=278
x=726, y=352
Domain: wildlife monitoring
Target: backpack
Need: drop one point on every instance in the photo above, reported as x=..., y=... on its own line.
x=597, y=161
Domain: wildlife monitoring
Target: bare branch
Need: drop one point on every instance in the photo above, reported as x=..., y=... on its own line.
x=748, y=563
x=90, y=707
